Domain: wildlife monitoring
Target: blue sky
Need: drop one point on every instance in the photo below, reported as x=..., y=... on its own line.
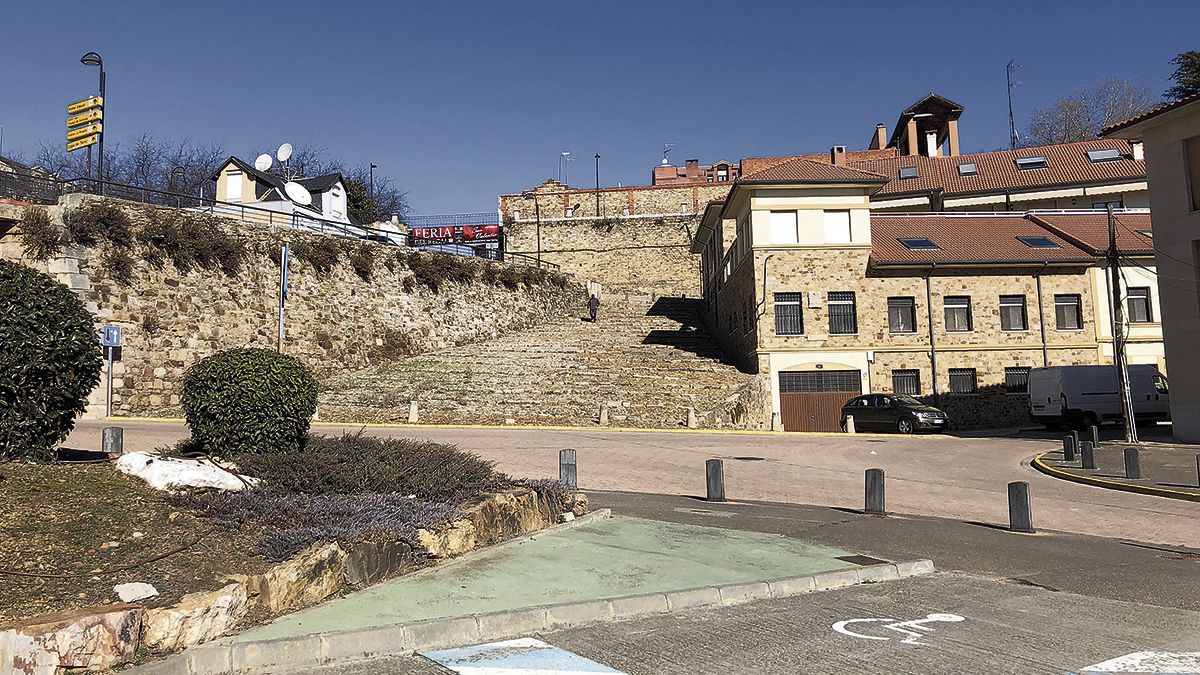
x=461, y=101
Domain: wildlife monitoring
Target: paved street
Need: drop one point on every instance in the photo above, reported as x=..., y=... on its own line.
x=960, y=478
x=977, y=626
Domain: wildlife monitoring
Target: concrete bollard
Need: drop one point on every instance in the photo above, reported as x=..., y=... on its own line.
x=413, y=413
x=850, y=424
x=874, y=496
x=692, y=422
x=1020, y=515
x=776, y=422
x=1198, y=470
x=112, y=440
x=1087, y=452
x=714, y=474
x=1075, y=439
x=603, y=415
x=568, y=472
x=1133, y=463
x=1094, y=433
x=1068, y=448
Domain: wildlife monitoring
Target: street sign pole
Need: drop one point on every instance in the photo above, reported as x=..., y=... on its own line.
x=110, y=339
x=284, y=254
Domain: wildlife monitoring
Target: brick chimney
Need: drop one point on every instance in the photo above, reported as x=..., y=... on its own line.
x=880, y=140
x=837, y=155
x=692, y=168
x=931, y=144
x=1139, y=152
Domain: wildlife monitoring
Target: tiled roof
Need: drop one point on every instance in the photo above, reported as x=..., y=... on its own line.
x=1153, y=112
x=1067, y=164
x=1089, y=231
x=752, y=164
x=806, y=170
x=975, y=238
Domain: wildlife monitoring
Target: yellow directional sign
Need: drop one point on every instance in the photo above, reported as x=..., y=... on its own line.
x=83, y=142
x=86, y=104
x=76, y=134
x=85, y=118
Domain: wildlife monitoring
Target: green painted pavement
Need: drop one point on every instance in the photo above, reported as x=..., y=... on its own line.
x=607, y=559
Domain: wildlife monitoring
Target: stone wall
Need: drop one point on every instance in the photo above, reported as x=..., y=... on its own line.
x=335, y=323
x=638, y=241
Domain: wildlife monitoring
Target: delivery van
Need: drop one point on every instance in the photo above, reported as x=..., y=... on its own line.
x=1079, y=396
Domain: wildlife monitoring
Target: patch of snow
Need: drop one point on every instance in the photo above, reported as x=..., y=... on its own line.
x=170, y=473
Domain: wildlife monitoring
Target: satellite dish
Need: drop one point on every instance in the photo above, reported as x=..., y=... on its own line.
x=297, y=193
x=262, y=162
x=284, y=152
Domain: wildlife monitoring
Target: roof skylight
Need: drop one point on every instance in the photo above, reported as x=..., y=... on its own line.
x=1038, y=242
x=1107, y=155
x=919, y=244
x=908, y=172
x=1036, y=162
x=967, y=169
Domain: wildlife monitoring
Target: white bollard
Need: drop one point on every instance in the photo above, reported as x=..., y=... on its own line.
x=603, y=415
x=692, y=422
x=413, y=415
x=850, y=424
x=776, y=422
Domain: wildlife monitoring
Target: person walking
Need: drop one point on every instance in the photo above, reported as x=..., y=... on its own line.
x=593, y=307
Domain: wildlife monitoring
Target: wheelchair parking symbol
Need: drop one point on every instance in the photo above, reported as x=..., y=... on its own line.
x=911, y=631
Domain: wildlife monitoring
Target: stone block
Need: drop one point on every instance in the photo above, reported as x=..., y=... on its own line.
x=93, y=638
x=368, y=643
x=639, y=605
x=693, y=597
x=213, y=659
x=876, y=573
x=305, y=580
x=786, y=588
x=739, y=593
x=497, y=625
x=575, y=613
x=827, y=581
x=284, y=655
x=440, y=633
x=196, y=618
x=914, y=568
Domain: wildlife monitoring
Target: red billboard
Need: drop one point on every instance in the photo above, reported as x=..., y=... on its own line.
x=455, y=234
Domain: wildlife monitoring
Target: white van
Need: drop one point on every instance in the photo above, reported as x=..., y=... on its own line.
x=1086, y=395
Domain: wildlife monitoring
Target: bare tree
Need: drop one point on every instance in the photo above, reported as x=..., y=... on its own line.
x=1080, y=116
x=181, y=167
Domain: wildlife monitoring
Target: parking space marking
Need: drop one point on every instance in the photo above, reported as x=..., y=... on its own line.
x=911, y=630
x=523, y=656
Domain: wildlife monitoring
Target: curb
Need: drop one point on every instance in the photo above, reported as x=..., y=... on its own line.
x=1056, y=472
x=535, y=427
x=309, y=651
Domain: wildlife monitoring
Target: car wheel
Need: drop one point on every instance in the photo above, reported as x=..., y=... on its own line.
x=905, y=425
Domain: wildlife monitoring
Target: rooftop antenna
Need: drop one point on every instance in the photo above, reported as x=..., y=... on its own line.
x=564, y=158
x=667, y=147
x=1012, y=126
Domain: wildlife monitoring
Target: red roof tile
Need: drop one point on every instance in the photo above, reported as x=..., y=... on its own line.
x=1089, y=231
x=1067, y=164
x=806, y=170
x=752, y=164
x=1153, y=112
x=976, y=238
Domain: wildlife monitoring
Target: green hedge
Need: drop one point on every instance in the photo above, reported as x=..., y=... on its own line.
x=249, y=400
x=49, y=362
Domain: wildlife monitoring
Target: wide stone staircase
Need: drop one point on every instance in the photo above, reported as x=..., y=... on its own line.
x=646, y=360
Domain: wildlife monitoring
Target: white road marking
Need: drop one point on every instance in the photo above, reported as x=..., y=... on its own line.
x=1176, y=663
x=523, y=656
x=910, y=629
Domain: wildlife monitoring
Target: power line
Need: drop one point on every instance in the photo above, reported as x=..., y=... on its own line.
x=1155, y=248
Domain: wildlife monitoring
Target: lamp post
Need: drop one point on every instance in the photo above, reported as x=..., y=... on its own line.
x=597, y=185
x=173, y=184
x=93, y=59
x=537, y=215
x=371, y=189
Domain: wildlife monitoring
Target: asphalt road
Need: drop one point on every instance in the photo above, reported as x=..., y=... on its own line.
x=964, y=624
x=943, y=476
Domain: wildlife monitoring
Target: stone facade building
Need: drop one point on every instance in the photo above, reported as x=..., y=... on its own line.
x=825, y=300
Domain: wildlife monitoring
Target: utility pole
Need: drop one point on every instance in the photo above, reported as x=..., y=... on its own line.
x=1012, y=126
x=1118, y=324
x=597, y=185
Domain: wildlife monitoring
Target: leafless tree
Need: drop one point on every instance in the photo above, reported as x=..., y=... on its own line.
x=1080, y=116
x=182, y=167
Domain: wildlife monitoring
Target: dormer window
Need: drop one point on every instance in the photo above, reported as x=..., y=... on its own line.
x=968, y=169
x=1035, y=162
x=908, y=172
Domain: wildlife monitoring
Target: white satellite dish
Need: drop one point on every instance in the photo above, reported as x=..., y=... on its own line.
x=284, y=153
x=297, y=193
x=262, y=162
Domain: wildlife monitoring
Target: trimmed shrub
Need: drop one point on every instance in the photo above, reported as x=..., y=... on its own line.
x=41, y=238
x=98, y=221
x=359, y=464
x=49, y=362
x=190, y=241
x=249, y=400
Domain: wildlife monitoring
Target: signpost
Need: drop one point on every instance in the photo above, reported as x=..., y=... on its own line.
x=110, y=340
x=85, y=127
x=284, y=254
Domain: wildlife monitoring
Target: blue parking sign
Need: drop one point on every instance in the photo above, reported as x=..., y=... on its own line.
x=110, y=336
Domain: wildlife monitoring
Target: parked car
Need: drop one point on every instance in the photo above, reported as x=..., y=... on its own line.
x=893, y=412
x=1080, y=396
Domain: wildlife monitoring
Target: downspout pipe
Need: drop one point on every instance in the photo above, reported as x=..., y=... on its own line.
x=1042, y=316
x=762, y=306
x=932, y=340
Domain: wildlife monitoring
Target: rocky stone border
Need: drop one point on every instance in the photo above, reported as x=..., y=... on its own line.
x=109, y=635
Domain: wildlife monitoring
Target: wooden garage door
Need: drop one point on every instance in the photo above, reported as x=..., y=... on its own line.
x=813, y=400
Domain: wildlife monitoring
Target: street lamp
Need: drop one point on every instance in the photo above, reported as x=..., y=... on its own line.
x=371, y=173
x=93, y=59
x=537, y=214
x=597, y=185
x=173, y=184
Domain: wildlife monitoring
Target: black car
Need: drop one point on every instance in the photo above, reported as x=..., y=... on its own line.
x=893, y=412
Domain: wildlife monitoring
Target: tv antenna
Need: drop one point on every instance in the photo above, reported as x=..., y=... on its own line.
x=564, y=159
x=667, y=147
x=1012, y=126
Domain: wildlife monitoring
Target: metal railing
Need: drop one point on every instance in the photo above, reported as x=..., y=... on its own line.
x=30, y=188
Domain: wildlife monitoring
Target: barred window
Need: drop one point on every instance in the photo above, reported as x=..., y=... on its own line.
x=1012, y=312
x=820, y=380
x=902, y=315
x=1016, y=379
x=962, y=381
x=906, y=382
x=958, y=313
x=843, y=316
x=1138, y=303
x=1067, y=313
x=789, y=314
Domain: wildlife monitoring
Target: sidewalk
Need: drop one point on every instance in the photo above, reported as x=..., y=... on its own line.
x=1167, y=469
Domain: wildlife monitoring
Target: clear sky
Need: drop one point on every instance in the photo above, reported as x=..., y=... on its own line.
x=459, y=102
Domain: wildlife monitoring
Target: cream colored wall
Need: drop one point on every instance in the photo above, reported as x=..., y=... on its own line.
x=223, y=187
x=1176, y=237
x=818, y=360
